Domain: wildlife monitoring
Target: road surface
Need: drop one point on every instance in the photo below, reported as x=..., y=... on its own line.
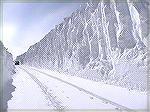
x=37, y=89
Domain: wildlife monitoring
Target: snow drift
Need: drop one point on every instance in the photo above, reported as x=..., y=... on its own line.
x=7, y=69
x=102, y=41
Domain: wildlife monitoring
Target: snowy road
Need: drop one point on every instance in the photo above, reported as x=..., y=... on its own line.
x=36, y=89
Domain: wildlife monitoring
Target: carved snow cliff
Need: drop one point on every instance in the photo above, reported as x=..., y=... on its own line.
x=7, y=70
x=103, y=41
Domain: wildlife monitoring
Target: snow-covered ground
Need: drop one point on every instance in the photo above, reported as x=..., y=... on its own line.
x=27, y=94
x=45, y=89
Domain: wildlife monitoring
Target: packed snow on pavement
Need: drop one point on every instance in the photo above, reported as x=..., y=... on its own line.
x=30, y=95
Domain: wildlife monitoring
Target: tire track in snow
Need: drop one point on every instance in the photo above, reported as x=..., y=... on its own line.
x=120, y=107
x=50, y=97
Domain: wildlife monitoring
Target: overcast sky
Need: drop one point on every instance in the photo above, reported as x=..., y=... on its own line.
x=24, y=24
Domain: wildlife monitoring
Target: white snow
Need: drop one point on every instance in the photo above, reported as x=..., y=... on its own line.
x=27, y=94
x=69, y=96
x=106, y=37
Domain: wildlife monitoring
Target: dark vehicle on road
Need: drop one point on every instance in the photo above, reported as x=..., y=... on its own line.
x=16, y=62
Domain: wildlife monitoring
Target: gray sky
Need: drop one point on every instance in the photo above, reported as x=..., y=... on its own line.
x=24, y=24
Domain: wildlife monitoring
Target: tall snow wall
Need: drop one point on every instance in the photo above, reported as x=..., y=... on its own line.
x=7, y=69
x=103, y=41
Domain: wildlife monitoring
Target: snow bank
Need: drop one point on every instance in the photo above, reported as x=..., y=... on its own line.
x=7, y=70
x=104, y=41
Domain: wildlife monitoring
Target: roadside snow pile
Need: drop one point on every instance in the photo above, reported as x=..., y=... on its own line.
x=7, y=70
x=129, y=74
x=102, y=40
